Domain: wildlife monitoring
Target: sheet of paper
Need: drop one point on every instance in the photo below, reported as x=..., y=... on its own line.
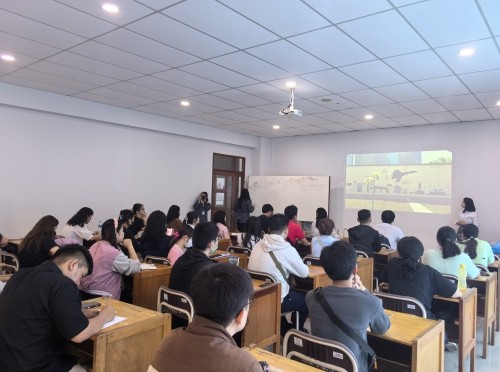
x=146, y=266
x=116, y=320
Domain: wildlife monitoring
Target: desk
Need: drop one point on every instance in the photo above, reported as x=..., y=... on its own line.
x=263, y=328
x=382, y=258
x=243, y=262
x=281, y=362
x=130, y=344
x=494, y=267
x=486, y=306
x=145, y=285
x=465, y=331
x=411, y=344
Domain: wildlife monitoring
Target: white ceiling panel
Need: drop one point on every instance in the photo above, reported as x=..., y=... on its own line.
x=310, y=107
x=277, y=16
x=392, y=109
x=410, y=120
x=6, y=68
x=419, y=65
x=337, y=103
x=218, y=102
x=336, y=128
x=373, y=74
x=27, y=47
x=235, y=116
x=10, y=79
x=256, y=113
x=157, y=4
x=170, y=32
x=336, y=117
x=105, y=100
x=312, y=120
x=227, y=77
x=488, y=99
x=358, y=113
x=304, y=89
x=384, y=123
x=463, y=102
x=424, y=106
x=385, y=34
x=187, y=80
x=165, y=86
x=142, y=46
x=235, y=30
x=472, y=115
x=71, y=73
x=440, y=117
x=243, y=98
x=367, y=97
x=334, y=80
x=50, y=79
x=445, y=86
x=344, y=10
x=491, y=8
x=141, y=91
x=175, y=109
x=122, y=96
x=442, y=22
x=402, y=92
x=266, y=92
x=486, y=81
x=21, y=59
x=494, y=112
x=359, y=125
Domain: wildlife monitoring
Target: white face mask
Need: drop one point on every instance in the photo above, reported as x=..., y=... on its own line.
x=214, y=248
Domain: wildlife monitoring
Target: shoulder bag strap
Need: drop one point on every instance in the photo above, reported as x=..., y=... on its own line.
x=318, y=294
x=278, y=265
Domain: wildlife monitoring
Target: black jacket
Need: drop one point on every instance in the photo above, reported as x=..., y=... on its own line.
x=186, y=267
x=365, y=236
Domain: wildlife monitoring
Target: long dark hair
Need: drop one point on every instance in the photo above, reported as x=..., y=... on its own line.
x=156, y=227
x=253, y=228
x=185, y=230
x=81, y=217
x=320, y=214
x=108, y=232
x=125, y=216
x=470, y=232
x=44, y=227
x=244, y=195
x=446, y=237
x=173, y=212
x=220, y=217
x=469, y=205
x=410, y=249
x=191, y=217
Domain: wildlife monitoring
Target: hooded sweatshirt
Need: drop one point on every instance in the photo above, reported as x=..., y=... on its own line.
x=186, y=267
x=366, y=236
x=287, y=256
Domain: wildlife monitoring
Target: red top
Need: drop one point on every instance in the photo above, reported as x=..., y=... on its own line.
x=295, y=232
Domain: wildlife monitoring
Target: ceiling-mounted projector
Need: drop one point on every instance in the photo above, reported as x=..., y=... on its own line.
x=290, y=110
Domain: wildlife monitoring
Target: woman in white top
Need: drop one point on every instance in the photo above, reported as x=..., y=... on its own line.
x=253, y=232
x=325, y=238
x=448, y=258
x=75, y=227
x=468, y=215
x=479, y=251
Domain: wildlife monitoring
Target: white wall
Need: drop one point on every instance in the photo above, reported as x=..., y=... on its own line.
x=475, y=151
x=57, y=162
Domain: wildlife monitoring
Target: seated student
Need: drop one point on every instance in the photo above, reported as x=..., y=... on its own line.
x=220, y=221
x=448, y=257
x=267, y=212
x=295, y=233
x=273, y=247
x=192, y=219
x=126, y=219
x=387, y=229
x=253, y=232
x=349, y=300
x=75, y=227
x=154, y=240
x=179, y=243
x=320, y=214
x=3, y=241
x=140, y=218
x=44, y=312
x=38, y=245
x=479, y=251
x=173, y=220
x=110, y=262
x=365, y=235
x=222, y=296
x=406, y=276
x=325, y=238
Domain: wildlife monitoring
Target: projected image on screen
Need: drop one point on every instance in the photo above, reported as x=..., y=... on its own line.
x=400, y=181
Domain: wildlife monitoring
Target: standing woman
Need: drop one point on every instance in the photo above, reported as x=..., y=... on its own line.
x=202, y=206
x=253, y=233
x=39, y=245
x=448, y=258
x=140, y=218
x=173, y=220
x=179, y=244
x=126, y=219
x=479, y=251
x=110, y=262
x=75, y=227
x=243, y=208
x=468, y=215
x=154, y=241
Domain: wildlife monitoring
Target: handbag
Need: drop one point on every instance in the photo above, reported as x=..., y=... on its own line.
x=291, y=278
x=372, y=357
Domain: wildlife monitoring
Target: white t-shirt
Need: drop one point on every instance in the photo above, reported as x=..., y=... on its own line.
x=391, y=232
x=76, y=232
x=320, y=242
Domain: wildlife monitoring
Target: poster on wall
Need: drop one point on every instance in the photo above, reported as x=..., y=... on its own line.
x=219, y=199
x=221, y=183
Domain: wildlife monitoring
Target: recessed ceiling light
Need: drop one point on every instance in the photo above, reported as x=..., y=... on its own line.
x=369, y=116
x=291, y=84
x=466, y=52
x=184, y=103
x=110, y=8
x=7, y=57
x=276, y=127
x=498, y=103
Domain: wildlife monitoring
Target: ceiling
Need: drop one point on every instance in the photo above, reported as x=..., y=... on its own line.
x=231, y=59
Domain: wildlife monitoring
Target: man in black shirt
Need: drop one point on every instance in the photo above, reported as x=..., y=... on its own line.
x=267, y=211
x=41, y=311
x=364, y=234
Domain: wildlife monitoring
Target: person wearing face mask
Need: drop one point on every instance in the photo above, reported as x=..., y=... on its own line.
x=179, y=243
x=110, y=262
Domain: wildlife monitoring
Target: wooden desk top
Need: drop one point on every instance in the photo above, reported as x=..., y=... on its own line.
x=405, y=328
x=384, y=252
x=466, y=293
x=160, y=270
x=280, y=362
x=5, y=277
x=494, y=265
x=134, y=314
x=257, y=285
x=316, y=271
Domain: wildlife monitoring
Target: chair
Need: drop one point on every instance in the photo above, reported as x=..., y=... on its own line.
x=311, y=260
x=239, y=250
x=497, y=257
x=386, y=246
x=9, y=263
x=402, y=304
x=482, y=268
x=362, y=254
x=452, y=278
x=88, y=294
x=176, y=303
x=224, y=244
x=268, y=278
x=318, y=352
x=157, y=259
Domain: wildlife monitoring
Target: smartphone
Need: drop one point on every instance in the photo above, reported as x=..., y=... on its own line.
x=90, y=305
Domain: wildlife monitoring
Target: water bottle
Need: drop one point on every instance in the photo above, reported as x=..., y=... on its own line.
x=99, y=226
x=462, y=277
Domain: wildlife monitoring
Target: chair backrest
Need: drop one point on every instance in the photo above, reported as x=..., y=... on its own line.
x=386, y=246
x=482, y=267
x=497, y=257
x=402, y=304
x=240, y=250
x=311, y=260
x=318, y=352
x=224, y=244
x=157, y=259
x=176, y=303
x=452, y=278
x=362, y=254
x=258, y=275
x=9, y=263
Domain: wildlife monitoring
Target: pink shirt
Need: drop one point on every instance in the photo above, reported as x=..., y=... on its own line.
x=174, y=253
x=223, y=231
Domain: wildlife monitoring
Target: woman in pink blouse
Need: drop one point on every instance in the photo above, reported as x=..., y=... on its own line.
x=179, y=243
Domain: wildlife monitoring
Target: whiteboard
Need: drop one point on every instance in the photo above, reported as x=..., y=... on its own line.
x=306, y=192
